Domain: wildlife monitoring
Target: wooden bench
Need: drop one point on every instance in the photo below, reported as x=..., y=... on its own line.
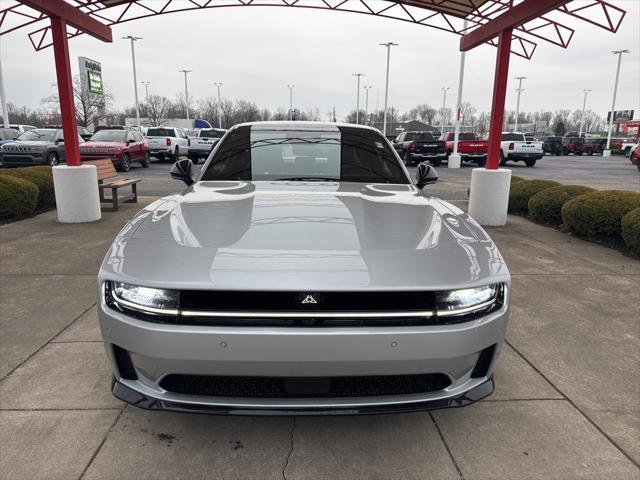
x=106, y=171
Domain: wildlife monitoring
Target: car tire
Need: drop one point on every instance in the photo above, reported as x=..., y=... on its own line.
x=482, y=162
x=406, y=159
x=53, y=159
x=590, y=151
x=503, y=160
x=146, y=160
x=565, y=151
x=436, y=163
x=530, y=162
x=627, y=152
x=125, y=166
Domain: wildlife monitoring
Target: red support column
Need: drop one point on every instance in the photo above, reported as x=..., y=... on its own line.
x=65, y=90
x=499, y=94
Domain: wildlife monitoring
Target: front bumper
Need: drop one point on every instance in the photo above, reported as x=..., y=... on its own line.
x=525, y=156
x=159, y=350
x=22, y=160
x=200, y=152
x=154, y=152
x=141, y=400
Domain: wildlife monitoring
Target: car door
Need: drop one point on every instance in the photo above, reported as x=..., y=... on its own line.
x=182, y=141
x=59, y=142
x=141, y=147
x=132, y=147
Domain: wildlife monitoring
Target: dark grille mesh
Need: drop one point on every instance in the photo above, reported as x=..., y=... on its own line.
x=304, y=387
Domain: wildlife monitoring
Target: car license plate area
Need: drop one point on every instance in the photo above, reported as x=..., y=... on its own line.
x=307, y=386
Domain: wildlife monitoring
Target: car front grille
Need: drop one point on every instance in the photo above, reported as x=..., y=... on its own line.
x=304, y=387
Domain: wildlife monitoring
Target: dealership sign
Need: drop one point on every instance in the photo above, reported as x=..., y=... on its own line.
x=620, y=116
x=91, y=78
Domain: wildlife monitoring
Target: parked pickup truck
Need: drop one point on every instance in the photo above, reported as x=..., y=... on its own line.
x=416, y=147
x=514, y=147
x=201, y=145
x=167, y=142
x=470, y=147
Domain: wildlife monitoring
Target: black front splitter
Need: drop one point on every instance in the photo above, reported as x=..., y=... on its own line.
x=137, y=399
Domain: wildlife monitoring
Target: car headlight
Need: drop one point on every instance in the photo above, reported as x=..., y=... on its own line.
x=142, y=299
x=467, y=301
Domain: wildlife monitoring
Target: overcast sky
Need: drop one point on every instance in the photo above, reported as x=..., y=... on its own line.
x=257, y=51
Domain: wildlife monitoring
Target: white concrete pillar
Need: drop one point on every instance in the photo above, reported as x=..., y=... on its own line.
x=76, y=190
x=489, y=196
x=454, y=160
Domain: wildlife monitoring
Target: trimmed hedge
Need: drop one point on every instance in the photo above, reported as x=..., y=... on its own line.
x=521, y=192
x=18, y=197
x=42, y=177
x=599, y=214
x=630, y=229
x=545, y=206
x=516, y=179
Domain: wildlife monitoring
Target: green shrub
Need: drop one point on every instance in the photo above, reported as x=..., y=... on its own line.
x=521, y=192
x=516, y=179
x=545, y=206
x=17, y=197
x=599, y=214
x=631, y=230
x=42, y=177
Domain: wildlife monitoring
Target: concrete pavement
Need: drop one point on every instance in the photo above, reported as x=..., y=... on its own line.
x=566, y=404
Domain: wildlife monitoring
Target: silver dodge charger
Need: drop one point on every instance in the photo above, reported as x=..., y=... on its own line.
x=302, y=272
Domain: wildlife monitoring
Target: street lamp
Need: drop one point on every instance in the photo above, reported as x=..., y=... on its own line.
x=358, y=97
x=515, y=127
x=454, y=158
x=444, y=104
x=219, y=84
x=366, y=104
x=135, y=80
x=186, y=90
x=3, y=100
x=291, y=87
x=607, y=152
x=146, y=89
x=386, y=86
x=584, y=106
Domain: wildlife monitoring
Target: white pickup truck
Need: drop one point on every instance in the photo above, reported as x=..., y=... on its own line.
x=201, y=145
x=515, y=147
x=167, y=142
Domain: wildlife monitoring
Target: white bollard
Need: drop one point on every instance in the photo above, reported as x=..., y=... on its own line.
x=606, y=153
x=76, y=190
x=454, y=160
x=489, y=196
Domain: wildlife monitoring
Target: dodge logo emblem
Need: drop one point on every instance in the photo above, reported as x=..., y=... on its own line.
x=309, y=299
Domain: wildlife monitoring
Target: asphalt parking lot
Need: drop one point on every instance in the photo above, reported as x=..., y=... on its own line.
x=565, y=407
x=615, y=172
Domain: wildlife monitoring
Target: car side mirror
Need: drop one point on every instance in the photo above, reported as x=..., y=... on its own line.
x=425, y=175
x=60, y=140
x=181, y=170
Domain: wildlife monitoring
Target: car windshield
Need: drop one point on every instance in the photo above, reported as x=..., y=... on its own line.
x=211, y=134
x=512, y=137
x=418, y=137
x=109, y=136
x=38, y=135
x=161, y=132
x=345, y=154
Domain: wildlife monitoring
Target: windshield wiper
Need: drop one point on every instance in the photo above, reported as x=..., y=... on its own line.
x=307, y=179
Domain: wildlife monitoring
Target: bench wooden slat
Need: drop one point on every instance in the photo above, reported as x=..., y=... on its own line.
x=120, y=183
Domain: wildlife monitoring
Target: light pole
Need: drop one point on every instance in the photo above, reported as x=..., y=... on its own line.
x=444, y=105
x=291, y=87
x=515, y=127
x=186, y=90
x=358, y=97
x=366, y=104
x=3, y=100
x=219, y=84
x=584, y=107
x=135, y=80
x=146, y=89
x=454, y=158
x=607, y=151
x=386, y=86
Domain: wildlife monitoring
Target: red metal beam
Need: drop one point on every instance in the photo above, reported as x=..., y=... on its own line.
x=499, y=94
x=65, y=91
x=72, y=16
x=514, y=17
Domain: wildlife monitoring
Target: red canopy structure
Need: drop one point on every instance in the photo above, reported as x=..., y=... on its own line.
x=513, y=26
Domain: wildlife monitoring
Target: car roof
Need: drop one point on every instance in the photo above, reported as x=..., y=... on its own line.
x=300, y=125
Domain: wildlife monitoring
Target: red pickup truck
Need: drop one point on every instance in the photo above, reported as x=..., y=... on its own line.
x=470, y=147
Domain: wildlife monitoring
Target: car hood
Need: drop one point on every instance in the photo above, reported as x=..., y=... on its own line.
x=18, y=145
x=91, y=145
x=303, y=236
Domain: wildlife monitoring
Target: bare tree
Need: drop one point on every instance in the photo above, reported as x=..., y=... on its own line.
x=90, y=108
x=157, y=109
